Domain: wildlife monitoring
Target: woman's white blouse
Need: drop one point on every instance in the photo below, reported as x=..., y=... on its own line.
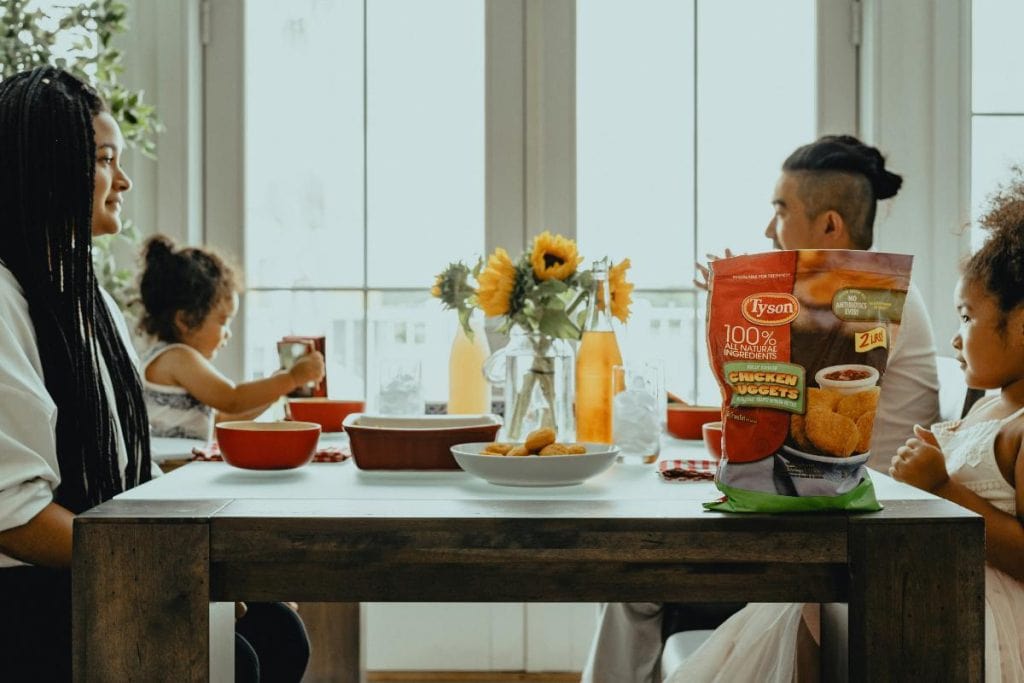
x=28, y=416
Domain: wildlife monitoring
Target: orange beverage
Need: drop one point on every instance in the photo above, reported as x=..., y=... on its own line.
x=598, y=353
x=469, y=392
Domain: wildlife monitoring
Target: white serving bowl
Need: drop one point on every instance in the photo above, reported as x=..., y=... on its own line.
x=535, y=470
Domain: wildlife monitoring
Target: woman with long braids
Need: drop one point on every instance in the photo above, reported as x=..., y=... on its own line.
x=73, y=425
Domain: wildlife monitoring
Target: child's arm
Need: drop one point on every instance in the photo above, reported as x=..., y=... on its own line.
x=187, y=368
x=921, y=464
x=247, y=414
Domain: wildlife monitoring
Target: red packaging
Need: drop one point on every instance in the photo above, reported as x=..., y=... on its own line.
x=799, y=342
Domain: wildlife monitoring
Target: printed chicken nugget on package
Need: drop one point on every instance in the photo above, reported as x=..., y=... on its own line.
x=799, y=342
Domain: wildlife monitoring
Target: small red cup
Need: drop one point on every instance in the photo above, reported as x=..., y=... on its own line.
x=712, y=432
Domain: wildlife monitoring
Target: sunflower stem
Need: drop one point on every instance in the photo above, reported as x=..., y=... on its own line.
x=541, y=370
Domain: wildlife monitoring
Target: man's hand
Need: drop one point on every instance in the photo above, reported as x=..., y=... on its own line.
x=701, y=281
x=920, y=462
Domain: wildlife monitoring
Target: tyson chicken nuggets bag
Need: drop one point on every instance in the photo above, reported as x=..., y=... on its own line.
x=799, y=342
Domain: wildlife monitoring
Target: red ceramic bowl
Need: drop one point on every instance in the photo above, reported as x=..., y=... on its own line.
x=713, y=438
x=267, y=445
x=329, y=413
x=684, y=421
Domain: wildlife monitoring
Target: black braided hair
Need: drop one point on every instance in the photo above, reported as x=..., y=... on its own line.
x=191, y=280
x=841, y=173
x=47, y=176
x=999, y=265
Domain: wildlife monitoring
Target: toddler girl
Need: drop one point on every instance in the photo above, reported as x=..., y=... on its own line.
x=190, y=296
x=978, y=462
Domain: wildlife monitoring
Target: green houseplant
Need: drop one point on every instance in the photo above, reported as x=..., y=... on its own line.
x=77, y=36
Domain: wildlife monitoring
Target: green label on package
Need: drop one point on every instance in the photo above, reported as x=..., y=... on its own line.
x=874, y=305
x=767, y=385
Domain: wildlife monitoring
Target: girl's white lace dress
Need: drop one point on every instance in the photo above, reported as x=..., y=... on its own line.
x=758, y=643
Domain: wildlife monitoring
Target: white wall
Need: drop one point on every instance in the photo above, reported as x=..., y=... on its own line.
x=163, y=57
x=915, y=98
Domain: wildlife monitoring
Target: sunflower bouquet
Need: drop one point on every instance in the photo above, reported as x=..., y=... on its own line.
x=543, y=294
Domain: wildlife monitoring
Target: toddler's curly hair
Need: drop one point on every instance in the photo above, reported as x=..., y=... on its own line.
x=999, y=264
x=192, y=280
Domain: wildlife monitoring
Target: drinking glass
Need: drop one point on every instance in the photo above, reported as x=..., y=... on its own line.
x=400, y=387
x=638, y=410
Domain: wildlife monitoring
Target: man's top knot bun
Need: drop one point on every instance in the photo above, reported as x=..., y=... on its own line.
x=846, y=154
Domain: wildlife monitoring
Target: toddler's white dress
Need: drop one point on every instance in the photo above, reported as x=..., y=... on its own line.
x=758, y=643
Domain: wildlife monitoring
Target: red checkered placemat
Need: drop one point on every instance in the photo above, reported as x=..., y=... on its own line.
x=682, y=470
x=323, y=454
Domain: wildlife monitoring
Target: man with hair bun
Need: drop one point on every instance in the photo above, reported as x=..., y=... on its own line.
x=825, y=198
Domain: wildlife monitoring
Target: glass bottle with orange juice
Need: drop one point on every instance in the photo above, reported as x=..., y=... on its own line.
x=469, y=392
x=598, y=353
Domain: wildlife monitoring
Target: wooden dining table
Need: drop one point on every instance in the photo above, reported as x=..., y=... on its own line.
x=157, y=568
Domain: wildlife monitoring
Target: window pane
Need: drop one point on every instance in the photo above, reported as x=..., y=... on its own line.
x=337, y=315
x=755, y=106
x=661, y=326
x=997, y=70
x=708, y=393
x=425, y=138
x=998, y=145
x=304, y=143
x=634, y=104
x=406, y=325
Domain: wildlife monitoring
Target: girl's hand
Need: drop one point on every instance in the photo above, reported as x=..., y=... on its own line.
x=920, y=462
x=308, y=368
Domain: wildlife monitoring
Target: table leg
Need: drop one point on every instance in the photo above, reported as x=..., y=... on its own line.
x=917, y=600
x=141, y=602
x=335, y=639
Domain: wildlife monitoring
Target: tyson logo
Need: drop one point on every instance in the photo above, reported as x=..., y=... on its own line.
x=770, y=308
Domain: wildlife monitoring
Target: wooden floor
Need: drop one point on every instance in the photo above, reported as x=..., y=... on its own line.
x=470, y=677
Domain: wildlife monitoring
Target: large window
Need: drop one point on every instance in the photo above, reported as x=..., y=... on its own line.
x=366, y=154
x=997, y=100
x=680, y=139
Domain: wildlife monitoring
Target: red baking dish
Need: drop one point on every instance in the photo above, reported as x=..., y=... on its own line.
x=422, y=442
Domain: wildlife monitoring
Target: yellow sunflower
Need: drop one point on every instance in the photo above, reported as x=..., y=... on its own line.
x=496, y=284
x=620, y=290
x=435, y=291
x=554, y=257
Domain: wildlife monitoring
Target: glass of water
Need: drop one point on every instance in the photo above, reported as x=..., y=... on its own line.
x=400, y=387
x=638, y=409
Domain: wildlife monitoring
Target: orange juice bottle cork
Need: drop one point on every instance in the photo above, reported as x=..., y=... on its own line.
x=598, y=353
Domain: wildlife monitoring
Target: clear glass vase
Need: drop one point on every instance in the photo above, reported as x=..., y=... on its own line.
x=538, y=374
